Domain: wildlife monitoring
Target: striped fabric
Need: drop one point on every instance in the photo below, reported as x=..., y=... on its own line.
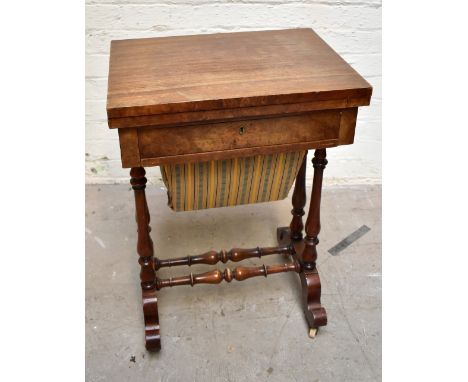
x=230, y=182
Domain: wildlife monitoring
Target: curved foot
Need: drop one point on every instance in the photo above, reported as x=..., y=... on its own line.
x=311, y=290
x=315, y=314
x=150, y=312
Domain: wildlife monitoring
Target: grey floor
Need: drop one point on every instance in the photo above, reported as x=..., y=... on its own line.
x=252, y=330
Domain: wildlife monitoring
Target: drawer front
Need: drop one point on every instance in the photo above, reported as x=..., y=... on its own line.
x=169, y=141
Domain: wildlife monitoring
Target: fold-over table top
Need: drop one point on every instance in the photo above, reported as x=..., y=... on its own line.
x=182, y=74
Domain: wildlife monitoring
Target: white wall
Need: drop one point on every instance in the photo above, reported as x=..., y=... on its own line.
x=351, y=27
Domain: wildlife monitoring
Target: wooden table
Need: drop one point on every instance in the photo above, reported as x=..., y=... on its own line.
x=204, y=97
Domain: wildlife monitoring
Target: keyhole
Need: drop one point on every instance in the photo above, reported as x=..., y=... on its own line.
x=242, y=130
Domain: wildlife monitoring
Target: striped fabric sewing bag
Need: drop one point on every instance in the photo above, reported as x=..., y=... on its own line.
x=230, y=182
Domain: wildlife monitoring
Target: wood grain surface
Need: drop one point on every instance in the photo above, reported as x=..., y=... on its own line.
x=167, y=141
x=182, y=74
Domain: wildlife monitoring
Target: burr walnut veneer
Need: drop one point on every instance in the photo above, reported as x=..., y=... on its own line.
x=200, y=98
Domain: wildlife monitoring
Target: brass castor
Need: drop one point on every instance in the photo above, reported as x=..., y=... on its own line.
x=313, y=332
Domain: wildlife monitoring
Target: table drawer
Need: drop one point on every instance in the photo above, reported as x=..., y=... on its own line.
x=168, y=141
x=202, y=142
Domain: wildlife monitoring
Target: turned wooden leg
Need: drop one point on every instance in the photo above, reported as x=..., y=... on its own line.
x=298, y=202
x=305, y=250
x=311, y=288
x=146, y=261
x=293, y=233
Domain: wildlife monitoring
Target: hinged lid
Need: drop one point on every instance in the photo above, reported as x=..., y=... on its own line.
x=187, y=79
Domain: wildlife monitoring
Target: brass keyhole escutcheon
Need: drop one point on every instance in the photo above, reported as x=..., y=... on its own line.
x=242, y=130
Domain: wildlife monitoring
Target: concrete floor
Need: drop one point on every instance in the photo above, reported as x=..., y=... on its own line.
x=252, y=330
